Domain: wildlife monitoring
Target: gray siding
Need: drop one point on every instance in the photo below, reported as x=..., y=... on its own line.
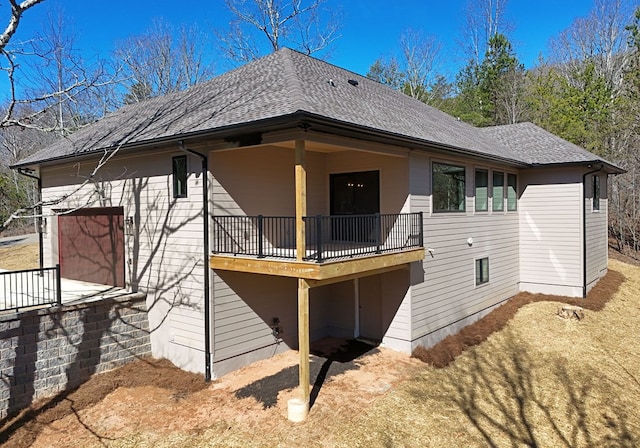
x=597, y=233
x=244, y=308
x=245, y=304
x=550, y=231
x=164, y=257
x=443, y=292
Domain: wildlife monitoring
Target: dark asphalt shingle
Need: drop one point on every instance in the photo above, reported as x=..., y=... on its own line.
x=286, y=82
x=536, y=146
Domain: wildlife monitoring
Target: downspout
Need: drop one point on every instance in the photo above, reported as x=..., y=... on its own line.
x=205, y=254
x=25, y=172
x=584, y=230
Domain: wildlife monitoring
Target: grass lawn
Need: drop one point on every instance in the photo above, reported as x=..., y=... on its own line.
x=542, y=381
x=23, y=256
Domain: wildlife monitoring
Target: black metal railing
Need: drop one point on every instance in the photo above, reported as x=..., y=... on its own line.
x=327, y=237
x=30, y=287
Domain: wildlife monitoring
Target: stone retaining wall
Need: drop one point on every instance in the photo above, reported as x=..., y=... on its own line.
x=47, y=351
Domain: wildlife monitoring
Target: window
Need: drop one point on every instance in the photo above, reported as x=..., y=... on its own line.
x=595, y=183
x=512, y=192
x=448, y=188
x=180, y=177
x=482, y=271
x=498, y=191
x=482, y=190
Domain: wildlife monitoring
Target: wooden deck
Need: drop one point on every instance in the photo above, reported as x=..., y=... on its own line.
x=317, y=273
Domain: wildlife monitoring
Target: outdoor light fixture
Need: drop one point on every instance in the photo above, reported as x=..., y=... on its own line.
x=42, y=226
x=129, y=226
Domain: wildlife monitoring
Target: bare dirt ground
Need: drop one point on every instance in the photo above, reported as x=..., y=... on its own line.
x=520, y=377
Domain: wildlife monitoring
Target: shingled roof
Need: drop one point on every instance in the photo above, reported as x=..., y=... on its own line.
x=536, y=146
x=287, y=85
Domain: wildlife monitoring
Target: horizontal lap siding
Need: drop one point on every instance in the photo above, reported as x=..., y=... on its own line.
x=251, y=182
x=396, y=305
x=448, y=292
x=550, y=228
x=596, y=243
x=443, y=287
x=244, y=306
x=167, y=258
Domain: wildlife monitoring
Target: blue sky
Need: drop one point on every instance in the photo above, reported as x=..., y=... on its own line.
x=371, y=28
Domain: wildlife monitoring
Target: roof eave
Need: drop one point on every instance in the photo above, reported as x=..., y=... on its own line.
x=607, y=167
x=381, y=136
x=267, y=124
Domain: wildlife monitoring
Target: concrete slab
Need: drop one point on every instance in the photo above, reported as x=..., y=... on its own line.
x=10, y=241
x=26, y=289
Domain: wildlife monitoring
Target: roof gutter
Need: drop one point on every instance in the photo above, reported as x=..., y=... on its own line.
x=300, y=118
x=393, y=138
x=205, y=259
x=38, y=210
x=584, y=229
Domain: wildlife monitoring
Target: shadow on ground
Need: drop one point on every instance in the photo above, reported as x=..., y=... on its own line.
x=328, y=360
x=514, y=399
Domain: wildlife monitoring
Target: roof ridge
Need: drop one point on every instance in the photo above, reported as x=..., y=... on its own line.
x=297, y=91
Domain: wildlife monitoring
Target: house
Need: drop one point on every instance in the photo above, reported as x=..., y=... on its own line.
x=289, y=200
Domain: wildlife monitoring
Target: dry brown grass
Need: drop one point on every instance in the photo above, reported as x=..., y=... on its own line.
x=540, y=381
x=24, y=256
x=447, y=350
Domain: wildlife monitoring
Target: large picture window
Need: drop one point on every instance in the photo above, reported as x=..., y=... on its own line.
x=180, y=177
x=512, y=192
x=448, y=188
x=482, y=190
x=498, y=191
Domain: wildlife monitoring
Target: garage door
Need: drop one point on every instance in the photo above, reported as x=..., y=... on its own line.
x=91, y=245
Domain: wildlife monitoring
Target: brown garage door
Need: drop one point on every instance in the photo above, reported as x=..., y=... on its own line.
x=91, y=245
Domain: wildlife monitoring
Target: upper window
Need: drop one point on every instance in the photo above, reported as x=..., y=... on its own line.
x=482, y=271
x=180, y=177
x=482, y=190
x=498, y=191
x=448, y=188
x=595, y=183
x=512, y=192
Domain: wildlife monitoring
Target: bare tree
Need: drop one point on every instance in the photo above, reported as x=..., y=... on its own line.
x=420, y=56
x=484, y=19
x=17, y=11
x=9, y=65
x=599, y=38
x=511, y=105
x=414, y=70
x=262, y=26
x=46, y=72
x=163, y=60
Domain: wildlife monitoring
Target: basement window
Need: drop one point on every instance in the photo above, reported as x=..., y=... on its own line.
x=482, y=271
x=180, y=177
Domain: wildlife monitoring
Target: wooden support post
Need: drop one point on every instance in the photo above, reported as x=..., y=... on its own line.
x=303, y=338
x=301, y=200
x=298, y=409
